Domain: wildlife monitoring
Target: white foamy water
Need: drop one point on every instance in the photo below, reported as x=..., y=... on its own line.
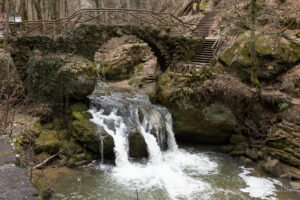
x=171, y=171
x=258, y=187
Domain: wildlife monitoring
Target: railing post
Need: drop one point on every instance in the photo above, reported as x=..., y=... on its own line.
x=26, y=27
x=127, y=17
x=65, y=25
x=54, y=28
x=139, y=18
x=83, y=16
x=44, y=27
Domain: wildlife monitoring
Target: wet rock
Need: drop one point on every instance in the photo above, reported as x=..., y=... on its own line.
x=56, y=75
x=137, y=146
x=252, y=154
x=295, y=185
x=273, y=167
x=246, y=161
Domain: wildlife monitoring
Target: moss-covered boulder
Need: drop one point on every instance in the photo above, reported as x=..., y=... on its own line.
x=137, y=146
x=274, y=57
x=78, y=77
x=84, y=133
x=195, y=119
x=48, y=141
x=212, y=123
x=52, y=76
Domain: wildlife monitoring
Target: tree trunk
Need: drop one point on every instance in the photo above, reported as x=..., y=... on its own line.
x=38, y=8
x=253, y=11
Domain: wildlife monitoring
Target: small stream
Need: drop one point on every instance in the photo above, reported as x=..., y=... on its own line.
x=170, y=172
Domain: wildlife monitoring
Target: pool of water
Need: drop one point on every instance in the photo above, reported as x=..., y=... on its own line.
x=189, y=173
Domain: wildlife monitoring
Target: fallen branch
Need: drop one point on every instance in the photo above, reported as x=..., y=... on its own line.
x=45, y=161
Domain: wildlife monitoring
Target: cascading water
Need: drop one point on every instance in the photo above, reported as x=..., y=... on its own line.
x=169, y=172
x=119, y=114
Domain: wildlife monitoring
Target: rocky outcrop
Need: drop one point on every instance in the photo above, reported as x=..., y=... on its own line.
x=195, y=118
x=125, y=61
x=55, y=76
x=274, y=57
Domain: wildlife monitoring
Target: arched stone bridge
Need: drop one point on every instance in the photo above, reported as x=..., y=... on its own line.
x=101, y=16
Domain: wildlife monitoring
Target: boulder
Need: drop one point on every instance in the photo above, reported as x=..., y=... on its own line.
x=124, y=61
x=273, y=167
x=295, y=185
x=48, y=141
x=54, y=75
x=137, y=146
x=78, y=77
x=213, y=123
x=83, y=131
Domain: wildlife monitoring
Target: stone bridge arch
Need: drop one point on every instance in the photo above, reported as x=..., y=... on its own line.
x=86, y=39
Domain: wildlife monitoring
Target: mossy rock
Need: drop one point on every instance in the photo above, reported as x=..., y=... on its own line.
x=279, y=144
x=272, y=60
x=137, y=146
x=48, y=141
x=79, y=159
x=213, y=124
x=78, y=77
x=78, y=107
x=237, y=139
x=84, y=133
x=108, y=147
x=70, y=147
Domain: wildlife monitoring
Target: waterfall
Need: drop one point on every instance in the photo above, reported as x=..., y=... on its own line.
x=168, y=167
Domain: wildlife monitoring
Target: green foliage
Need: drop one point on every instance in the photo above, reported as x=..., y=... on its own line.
x=42, y=78
x=17, y=141
x=283, y=106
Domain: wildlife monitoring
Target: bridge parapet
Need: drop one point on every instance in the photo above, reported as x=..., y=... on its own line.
x=101, y=16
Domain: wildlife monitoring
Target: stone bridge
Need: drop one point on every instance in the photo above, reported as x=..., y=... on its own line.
x=86, y=38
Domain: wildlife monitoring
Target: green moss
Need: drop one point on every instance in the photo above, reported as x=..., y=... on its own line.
x=83, y=131
x=138, y=68
x=236, y=139
x=279, y=144
x=77, y=115
x=48, y=141
x=137, y=146
x=78, y=107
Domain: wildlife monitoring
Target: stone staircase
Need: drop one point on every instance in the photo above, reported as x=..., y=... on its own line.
x=202, y=30
x=206, y=54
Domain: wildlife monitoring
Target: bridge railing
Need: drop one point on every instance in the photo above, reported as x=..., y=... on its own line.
x=107, y=16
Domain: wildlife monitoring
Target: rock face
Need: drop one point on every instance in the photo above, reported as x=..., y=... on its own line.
x=195, y=119
x=60, y=75
x=124, y=61
x=273, y=59
x=78, y=77
x=212, y=123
